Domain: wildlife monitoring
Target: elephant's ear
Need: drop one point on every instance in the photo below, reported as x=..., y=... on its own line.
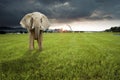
x=44, y=23
x=23, y=22
x=27, y=21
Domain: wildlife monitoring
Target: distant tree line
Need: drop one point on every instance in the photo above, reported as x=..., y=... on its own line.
x=113, y=29
x=5, y=29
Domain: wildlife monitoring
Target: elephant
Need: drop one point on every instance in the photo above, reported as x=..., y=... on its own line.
x=35, y=23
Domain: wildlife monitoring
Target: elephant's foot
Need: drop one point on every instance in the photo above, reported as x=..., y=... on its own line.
x=31, y=45
x=31, y=48
x=40, y=49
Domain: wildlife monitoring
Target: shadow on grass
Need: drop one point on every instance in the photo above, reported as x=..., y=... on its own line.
x=21, y=68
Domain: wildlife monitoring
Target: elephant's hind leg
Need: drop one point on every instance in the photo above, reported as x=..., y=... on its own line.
x=39, y=40
x=31, y=40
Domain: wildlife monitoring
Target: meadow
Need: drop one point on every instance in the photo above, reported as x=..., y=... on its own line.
x=65, y=56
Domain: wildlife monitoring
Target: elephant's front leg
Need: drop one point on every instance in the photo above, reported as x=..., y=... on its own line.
x=31, y=40
x=39, y=40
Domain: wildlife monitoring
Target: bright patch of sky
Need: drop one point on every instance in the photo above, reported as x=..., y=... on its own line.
x=86, y=25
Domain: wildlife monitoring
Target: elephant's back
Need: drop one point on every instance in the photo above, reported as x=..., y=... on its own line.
x=37, y=15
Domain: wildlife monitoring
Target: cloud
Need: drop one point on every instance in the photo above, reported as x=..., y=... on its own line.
x=11, y=11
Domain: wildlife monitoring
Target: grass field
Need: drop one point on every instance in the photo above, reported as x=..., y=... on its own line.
x=65, y=56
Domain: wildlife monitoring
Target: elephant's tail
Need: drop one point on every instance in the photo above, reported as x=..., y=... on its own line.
x=37, y=33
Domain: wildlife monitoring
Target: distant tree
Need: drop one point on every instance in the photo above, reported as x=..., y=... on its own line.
x=21, y=32
x=107, y=30
x=2, y=32
x=81, y=31
x=113, y=29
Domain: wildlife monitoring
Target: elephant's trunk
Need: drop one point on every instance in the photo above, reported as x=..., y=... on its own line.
x=37, y=33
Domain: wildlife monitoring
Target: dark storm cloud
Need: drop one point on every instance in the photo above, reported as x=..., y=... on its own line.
x=11, y=11
x=108, y=8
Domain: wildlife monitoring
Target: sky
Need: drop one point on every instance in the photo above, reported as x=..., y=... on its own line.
x=81, y=15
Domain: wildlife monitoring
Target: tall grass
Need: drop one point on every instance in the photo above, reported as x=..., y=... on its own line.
x=65, y=56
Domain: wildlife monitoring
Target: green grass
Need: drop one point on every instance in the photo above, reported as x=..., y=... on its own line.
x=65, y=56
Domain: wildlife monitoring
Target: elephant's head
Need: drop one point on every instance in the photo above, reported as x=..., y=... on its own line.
x=35, y=19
